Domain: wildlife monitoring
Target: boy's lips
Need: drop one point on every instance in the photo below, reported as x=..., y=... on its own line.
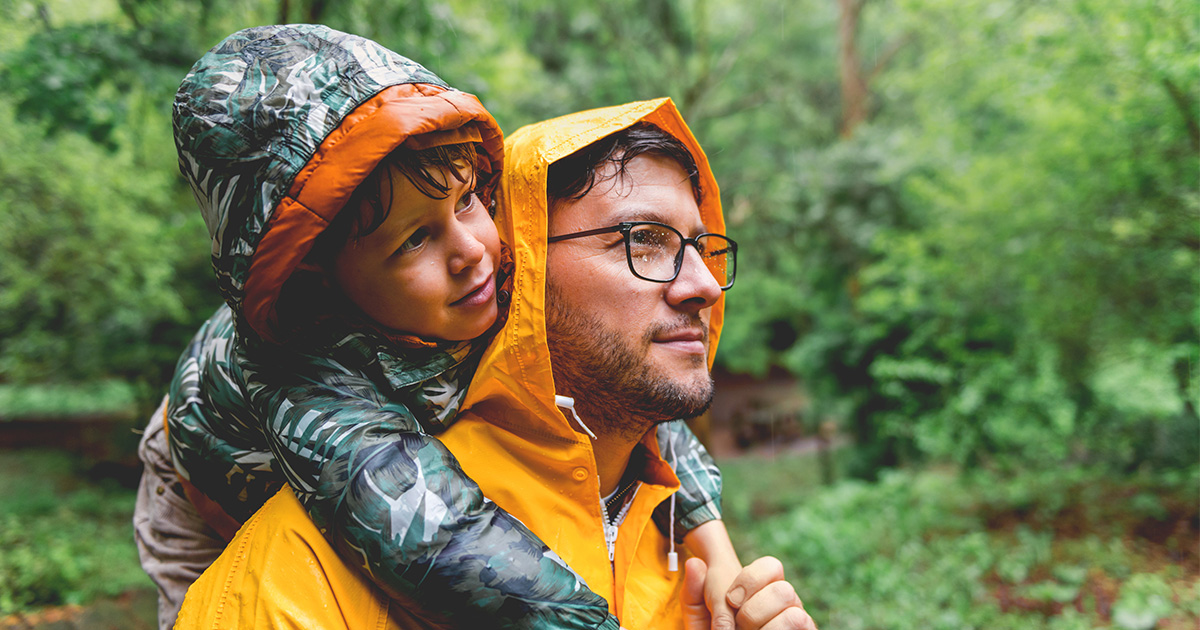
x=480, y=294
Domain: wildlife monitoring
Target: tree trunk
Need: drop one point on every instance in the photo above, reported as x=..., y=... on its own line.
x=854, y=87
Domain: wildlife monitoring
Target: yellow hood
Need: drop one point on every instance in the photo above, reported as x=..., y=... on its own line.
x=512, y=439
x=516, y=368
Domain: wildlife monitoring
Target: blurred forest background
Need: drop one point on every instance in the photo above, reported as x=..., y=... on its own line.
x=970, y=230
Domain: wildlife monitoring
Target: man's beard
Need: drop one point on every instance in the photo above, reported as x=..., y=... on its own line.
x=614, y=382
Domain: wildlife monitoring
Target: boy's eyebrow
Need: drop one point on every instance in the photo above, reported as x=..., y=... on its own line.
x=404, y=222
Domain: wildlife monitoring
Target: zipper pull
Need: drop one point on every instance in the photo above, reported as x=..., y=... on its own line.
x=610, y=539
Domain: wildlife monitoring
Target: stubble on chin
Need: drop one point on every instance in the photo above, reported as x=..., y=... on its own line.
x=615, y=383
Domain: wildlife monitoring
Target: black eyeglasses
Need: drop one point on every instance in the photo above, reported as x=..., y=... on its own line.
x=655, y=250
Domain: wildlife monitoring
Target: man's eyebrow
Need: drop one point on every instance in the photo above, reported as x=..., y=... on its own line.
x=652, y=214
x=639, y=213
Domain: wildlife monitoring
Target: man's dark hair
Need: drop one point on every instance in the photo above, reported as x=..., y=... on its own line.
x=574, y=176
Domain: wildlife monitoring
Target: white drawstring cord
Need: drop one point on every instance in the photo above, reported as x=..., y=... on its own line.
x=672, y=557
x=569, y=403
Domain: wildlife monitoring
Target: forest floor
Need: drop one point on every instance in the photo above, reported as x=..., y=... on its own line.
x=133, y=610
x=1060, y=550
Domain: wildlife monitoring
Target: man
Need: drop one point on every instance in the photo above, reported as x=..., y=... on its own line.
x=613, y=323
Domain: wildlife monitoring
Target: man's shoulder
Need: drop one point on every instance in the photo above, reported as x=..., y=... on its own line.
x=276, y=566
x=279, y=571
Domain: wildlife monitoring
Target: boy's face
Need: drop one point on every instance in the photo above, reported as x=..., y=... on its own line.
x=430, y=268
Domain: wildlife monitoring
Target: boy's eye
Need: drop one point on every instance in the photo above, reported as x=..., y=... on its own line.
x=465, y=202
x=413, y=241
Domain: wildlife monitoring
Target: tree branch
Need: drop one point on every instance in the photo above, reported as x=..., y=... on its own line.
x=714, y=75
x=130, y=12
x=1184, y=105
x=886, y=56
x=316, y=11
x=854, y=88
x=856, y=7
x=44, y=15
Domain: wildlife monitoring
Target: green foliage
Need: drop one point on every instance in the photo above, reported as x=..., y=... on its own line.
x=969, y=277
x=1144, y=600
x=98, y=264
x=43, y=400
x=998, y=268
x=937, y=549
x=61, y=542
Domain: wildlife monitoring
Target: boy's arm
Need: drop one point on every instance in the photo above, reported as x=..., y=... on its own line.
x=698, y=500
x=698, y=512
x=710, y=542
x=215, y=442
x=394, y=502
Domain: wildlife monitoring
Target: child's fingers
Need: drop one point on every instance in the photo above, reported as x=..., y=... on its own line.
x=716, y=586
x=723, y=616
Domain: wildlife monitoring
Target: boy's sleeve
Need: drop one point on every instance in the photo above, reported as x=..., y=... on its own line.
x=699, y=497
x=216, y=444
x=394, y=502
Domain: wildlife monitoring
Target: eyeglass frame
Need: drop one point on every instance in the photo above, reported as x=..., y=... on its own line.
x=626, y=228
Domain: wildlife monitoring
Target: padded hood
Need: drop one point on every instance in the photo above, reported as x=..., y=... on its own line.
x=275, y=128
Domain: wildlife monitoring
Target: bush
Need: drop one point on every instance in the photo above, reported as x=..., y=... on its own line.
x=62, y=540
x=936, y=550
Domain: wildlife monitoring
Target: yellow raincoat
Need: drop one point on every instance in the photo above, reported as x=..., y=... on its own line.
x=279, y=572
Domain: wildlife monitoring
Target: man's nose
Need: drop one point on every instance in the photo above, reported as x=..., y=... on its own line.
x=695, y=287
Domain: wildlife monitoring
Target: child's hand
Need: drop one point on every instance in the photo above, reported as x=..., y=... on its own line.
x=716, y=585
x=710, y=543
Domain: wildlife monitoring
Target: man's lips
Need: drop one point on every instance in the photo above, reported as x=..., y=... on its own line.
x=688, y=340
x=480, y=294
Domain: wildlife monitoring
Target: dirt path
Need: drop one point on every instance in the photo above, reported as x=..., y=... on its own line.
x=136, y=610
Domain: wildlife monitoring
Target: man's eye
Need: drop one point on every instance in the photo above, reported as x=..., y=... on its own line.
x=413, y=241
x=650, y=238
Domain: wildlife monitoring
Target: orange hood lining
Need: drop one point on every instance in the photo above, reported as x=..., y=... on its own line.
x=344, y=159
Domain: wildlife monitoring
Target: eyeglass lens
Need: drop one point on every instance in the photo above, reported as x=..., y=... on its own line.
x=653, y=250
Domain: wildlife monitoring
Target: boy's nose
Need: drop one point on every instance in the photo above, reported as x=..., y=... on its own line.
x=468, y=249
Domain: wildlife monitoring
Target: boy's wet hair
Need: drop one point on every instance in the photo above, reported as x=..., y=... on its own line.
x=303, y=298
x=371, y=202
x=573, y=177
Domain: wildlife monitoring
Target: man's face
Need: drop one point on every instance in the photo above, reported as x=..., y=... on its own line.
x=628, y=349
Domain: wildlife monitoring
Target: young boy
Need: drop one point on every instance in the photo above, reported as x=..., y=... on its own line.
x=350, y=337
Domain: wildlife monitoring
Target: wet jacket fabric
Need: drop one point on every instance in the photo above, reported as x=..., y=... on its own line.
x=511, y=437
x=275, y=128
